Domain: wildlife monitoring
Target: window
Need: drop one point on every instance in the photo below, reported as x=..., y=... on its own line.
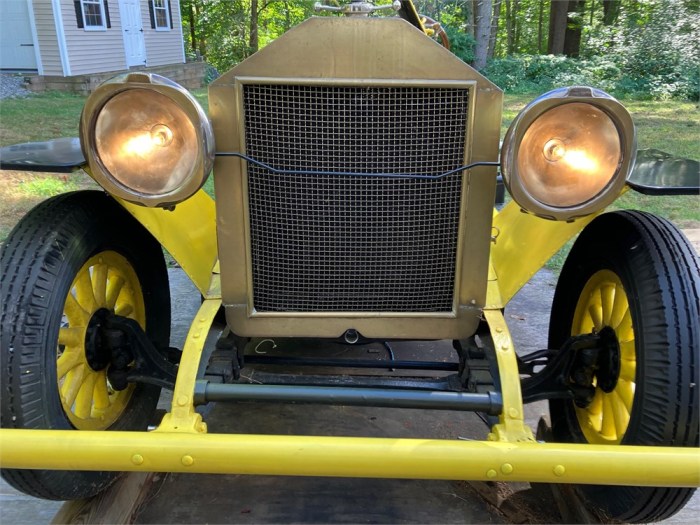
x=92, y=15
x=160, y=15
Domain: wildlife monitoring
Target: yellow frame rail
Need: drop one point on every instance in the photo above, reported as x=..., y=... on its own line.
x=349, y=457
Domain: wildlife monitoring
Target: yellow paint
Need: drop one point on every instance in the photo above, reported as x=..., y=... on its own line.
x=603, y=303
x=182, y=416
x=511, y=426
x=350, y=457
x=188, y=233
x=106, y=281
x=524, y=243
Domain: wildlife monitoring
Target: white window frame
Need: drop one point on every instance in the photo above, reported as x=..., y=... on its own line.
x=165, y=10
x=103, y=15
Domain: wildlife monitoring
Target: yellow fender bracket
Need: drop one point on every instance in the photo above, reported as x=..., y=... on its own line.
x=523, y=243
x=188, y=233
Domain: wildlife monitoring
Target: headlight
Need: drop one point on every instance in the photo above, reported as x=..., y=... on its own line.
x=568, y=153
x=147, y=140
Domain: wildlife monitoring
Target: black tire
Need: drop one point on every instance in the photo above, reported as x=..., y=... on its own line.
x=658, y=269
x=40, y=259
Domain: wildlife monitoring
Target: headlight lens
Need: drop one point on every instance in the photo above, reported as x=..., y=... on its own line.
x=147, y=140
x=568, y=153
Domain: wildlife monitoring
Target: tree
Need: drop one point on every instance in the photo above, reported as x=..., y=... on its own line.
x=483, y=11
x=565, y=24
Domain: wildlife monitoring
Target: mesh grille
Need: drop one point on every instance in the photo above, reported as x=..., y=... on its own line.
x=342, y=243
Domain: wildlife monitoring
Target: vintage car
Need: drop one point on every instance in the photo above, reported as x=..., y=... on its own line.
x=355, y=163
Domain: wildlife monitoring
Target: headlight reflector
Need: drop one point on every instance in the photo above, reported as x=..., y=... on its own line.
x=147, y=140
x=568, y=153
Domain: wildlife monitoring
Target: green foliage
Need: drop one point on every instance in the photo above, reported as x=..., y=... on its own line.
x=532, y=73
x=461, y=44
x=48, y=187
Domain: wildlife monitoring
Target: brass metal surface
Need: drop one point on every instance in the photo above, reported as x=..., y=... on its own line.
x=335, y=51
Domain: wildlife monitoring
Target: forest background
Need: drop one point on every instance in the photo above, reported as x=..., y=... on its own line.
x=645, y=49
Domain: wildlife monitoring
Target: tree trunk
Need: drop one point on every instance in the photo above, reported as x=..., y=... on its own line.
x=557, y=27
x=540, y=29
x=611, y=10
x=565, y=27
x=484, y=8
x=193, y=31
x=509, y=28
x=203, y=38
x=574, y=25
x=471, y=17
x=517, y=26
x=253, y=41
x=494, y=27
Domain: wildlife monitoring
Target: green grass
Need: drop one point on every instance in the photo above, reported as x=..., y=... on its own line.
x=47, y=187
x=39, y=117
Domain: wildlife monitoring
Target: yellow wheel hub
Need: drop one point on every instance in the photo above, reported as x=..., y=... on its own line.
x=106, y=281
x=603, y=303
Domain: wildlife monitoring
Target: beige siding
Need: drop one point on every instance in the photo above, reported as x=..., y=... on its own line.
x=46, y=35
x=163, y=47
x=93, y=51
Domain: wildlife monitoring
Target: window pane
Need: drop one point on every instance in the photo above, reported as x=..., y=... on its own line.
x=92, y=9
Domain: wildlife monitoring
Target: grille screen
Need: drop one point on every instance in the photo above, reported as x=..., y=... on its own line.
x=343, y=243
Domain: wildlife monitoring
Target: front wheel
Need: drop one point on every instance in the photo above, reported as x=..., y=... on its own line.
x=633, y=275
x=70, y=262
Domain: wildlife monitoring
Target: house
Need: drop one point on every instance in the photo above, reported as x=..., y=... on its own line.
x=67, y=38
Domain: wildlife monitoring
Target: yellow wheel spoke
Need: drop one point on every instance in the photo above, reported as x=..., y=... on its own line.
x=596, y=313
x=627, y=369
x=101, y=394
x=627, y=352
x=71, y=385
x=607, y=301
x=68, y=361
x=625, y=390
x=99, y=284
x=76, y=314
x=83, y=401
x=608, y=424
x=84, y=293
x=114, y=288
x=125, y=310
x=620, y=307
x=106, y=280
x=71, y=337
x=624, y=330
x=620, y=414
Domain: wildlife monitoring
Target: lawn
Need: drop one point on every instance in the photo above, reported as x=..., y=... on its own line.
x=671, y=126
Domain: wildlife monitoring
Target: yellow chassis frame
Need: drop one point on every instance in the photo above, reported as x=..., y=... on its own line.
x=521, y=245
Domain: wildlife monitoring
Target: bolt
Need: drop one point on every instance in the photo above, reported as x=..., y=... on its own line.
x=559, y=470
x=137, y=459
x=506, y=468
x=188, y=461
x=513, y=412
x=182, y=400
x=491, y=474
x=499, y=330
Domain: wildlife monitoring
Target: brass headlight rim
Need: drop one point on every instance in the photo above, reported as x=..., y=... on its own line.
x=184, y=100
x=617, y=113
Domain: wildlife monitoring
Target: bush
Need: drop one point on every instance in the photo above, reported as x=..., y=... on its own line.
x=661, y=80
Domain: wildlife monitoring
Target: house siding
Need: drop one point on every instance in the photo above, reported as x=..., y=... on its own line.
x=93, y=51
x=47, y=38
x=163, y=47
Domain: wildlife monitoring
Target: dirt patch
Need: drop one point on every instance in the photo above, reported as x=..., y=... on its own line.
x=20, y=191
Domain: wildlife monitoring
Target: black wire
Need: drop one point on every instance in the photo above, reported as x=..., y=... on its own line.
x=277, y=171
